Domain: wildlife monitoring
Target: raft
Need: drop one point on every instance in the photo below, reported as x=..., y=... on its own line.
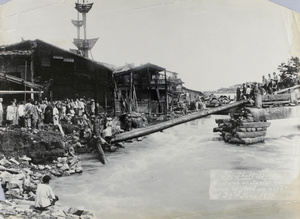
x=247, y=126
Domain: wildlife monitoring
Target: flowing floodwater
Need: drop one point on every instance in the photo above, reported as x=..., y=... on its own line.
x=167, y=174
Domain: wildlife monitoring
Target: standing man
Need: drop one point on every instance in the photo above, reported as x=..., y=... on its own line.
x=28, y=114
x=270, y=84
x=275, y=79
x=1, y=111
x=238, y=94
x=244, y=88
x=21, y=114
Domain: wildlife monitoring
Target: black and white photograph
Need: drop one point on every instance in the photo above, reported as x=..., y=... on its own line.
x=150, y=109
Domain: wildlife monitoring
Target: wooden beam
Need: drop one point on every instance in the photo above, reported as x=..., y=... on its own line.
x=275, y=102
x=164, y=125
x=19, y=92
x=288, y=89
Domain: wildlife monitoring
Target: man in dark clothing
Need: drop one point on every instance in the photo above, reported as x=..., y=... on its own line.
x=238, y=93
x=48, y=114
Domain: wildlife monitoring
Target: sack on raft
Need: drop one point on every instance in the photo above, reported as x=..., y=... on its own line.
x=257, y=114
x=252, y=140
x=254, y=124
x=250, y=134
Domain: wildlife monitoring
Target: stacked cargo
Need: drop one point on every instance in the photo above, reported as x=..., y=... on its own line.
x=246, y=126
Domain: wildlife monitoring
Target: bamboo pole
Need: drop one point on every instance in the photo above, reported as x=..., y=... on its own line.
x=164, y=125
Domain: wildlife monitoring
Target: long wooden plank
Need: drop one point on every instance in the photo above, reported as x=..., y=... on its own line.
x=19, y=92
x=276, y=102
x=135, y=133
x=19, y=81
x=288, y=89
x=276, y=97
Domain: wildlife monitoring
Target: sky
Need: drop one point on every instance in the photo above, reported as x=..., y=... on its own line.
x=210, y=43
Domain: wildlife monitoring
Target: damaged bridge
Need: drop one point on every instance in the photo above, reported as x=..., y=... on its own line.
x=164, y=125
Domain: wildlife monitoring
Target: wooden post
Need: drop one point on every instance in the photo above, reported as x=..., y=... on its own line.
x=25, y=76
x=97, y=91
x=78, y=27
x=166, y=93
x=130, y=93
x=149, y=91
x=32, y=73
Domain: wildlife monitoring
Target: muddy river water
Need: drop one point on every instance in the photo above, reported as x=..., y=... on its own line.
x=178, y=173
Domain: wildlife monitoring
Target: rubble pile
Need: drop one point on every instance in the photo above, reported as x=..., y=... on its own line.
x=213, y=101
x=246, y=126
x=133, y=120
x=20, y=177
x=24, y=209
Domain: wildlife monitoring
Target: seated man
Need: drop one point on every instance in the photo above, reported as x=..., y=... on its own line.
x=44, y=195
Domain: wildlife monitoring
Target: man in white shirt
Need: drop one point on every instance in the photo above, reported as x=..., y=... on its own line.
x=44, y=195
x=21, y=114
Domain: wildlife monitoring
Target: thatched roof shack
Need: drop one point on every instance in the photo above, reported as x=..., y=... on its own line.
x=142, y=88
x=62, y=74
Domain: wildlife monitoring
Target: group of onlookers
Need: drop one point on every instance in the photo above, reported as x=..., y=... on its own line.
x=255, y=91
x=269, y=84
x=33, y=114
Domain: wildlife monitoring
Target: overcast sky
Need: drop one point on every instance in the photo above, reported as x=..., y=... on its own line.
x=210, y=43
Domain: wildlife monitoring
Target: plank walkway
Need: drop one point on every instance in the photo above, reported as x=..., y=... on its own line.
x=135, y=133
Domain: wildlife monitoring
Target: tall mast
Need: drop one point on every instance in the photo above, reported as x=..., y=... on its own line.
x=77, y=23
x=83, y=45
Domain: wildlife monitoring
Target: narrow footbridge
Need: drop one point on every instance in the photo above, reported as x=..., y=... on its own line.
x=135, y=133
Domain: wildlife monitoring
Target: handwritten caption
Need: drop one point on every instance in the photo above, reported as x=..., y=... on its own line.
x=250, y=185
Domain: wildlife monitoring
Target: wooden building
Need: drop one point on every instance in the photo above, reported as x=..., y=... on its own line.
x=174, y=89
x=58, y=73
x=191, y=95
x=141, y=89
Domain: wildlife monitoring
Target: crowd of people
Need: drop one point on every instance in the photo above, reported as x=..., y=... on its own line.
x=33, y=114
x=254, y=91
x=270, y=84
x=88, y=116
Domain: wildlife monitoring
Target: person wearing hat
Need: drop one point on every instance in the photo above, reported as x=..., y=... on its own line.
x=44, y=195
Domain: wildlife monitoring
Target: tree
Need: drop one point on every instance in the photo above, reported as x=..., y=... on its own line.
x=289, y=72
